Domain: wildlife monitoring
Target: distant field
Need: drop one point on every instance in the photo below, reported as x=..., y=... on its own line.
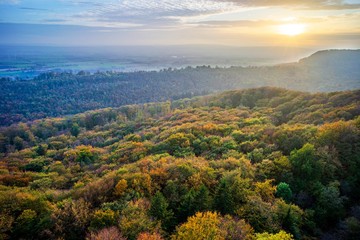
x=29, y=62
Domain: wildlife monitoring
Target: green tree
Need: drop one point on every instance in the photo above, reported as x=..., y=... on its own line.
x=262, y=216
x=203, y=199
x=159, y=210
x=283, y=191
x=195, y=201
x=224, y=199
x=179, y=144
x=173, y=193
x=83, y=154
x=19, y=143
x=290, y=217
x=26, y=223
x=305, y=167
x=41, y=149
x=187, y=205
x=75, y=130
x=330, y=205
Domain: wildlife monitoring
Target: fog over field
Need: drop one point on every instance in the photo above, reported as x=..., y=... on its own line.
x=29, y=61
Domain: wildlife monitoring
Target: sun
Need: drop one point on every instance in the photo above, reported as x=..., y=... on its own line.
x=291, y=29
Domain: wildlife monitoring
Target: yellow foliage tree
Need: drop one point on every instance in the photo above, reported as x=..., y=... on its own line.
x=282, y=235
x=202, y=226
x=120, y=187
x=265, y=190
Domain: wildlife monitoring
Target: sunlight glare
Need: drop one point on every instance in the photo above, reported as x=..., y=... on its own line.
x=291, y=29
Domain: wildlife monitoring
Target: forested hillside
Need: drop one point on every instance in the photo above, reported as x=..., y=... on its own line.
x=58, y=94
x=263, y=163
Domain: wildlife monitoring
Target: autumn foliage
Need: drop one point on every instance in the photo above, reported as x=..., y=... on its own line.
x=261, y=163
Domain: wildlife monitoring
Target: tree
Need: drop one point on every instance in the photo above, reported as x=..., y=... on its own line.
x=290, y=217
x=261, y=215
x=149, y=236
x=345, y=137
x=159, y=210
x=179, y=144
x=6, y=222
x=72, y=218
x=195, y=201
x=283, y=191
x=187, y=205
x=41, y=149
x=278, y=236
x=223, y=199
x=83, y=154
x=19, y=143
x=111, y=233
x=173, y=192
x=103, y=219
x=120, y=188
x=330, y=205
x=236, y=228
x=75, y=130
x=202, y=199
x=202, y=226
x=26, y=223
x=135, y=220
x=265, y=190
x=23, y=215
x=305, y=167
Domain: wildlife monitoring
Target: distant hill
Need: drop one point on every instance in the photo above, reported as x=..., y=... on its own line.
x=58, y=94
x=332, y=69
x=340, y=58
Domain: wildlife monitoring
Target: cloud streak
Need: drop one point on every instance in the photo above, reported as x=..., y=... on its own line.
x=299, y=4
x=34, y=9
x=159, y=13
x=166, y=13
x=190, y=21
x=11, y=2
x=151, y=12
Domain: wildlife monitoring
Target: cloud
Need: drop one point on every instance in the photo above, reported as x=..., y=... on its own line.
x=262, y=22
x=152, y=12
x=11, y=2
x=236, y=23
x=159, y=14
x=54, y=20
x=34, y=9
x=298, y=4
x=172, y=13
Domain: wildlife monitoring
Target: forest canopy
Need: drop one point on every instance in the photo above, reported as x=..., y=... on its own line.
x=264, y=163
x=57, y=94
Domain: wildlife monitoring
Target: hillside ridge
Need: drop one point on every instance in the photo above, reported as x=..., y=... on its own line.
x=59, y=94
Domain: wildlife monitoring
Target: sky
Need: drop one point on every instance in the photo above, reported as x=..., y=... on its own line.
x=295, y=23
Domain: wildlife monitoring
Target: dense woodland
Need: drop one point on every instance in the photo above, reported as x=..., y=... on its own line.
x=59, y=94
x=262, y=163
